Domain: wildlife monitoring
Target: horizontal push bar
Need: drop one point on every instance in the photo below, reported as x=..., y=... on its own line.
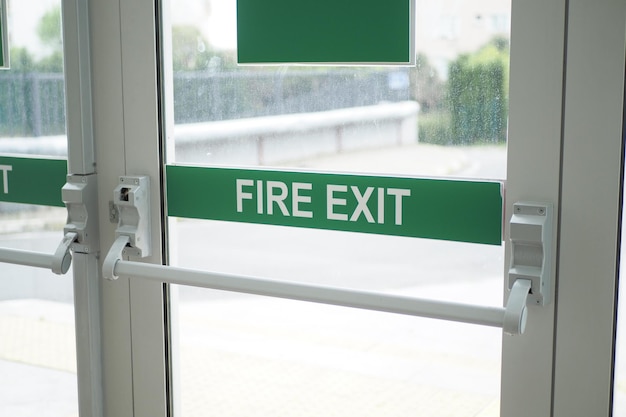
x=27, y=258
x=512, y=318
x=58, y=262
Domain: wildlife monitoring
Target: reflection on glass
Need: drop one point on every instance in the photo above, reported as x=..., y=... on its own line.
x=37, y=348
x=242, y=355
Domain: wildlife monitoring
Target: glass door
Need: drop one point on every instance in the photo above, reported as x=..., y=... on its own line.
x=38, y=344
x=267, y=356
x=157, y=349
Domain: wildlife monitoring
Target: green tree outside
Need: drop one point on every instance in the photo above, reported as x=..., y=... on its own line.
x=474, y=108
x=478, y=95
x=50, y=35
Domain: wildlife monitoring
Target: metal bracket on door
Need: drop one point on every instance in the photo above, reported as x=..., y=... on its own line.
x=131, y=199
x=531, y=249
x=80, y=197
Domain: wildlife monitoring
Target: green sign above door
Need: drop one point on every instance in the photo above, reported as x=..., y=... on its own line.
x=456, y=210
x=32, y=180
x=325, y=31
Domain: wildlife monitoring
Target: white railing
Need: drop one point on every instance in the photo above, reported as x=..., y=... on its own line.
x=289, y=137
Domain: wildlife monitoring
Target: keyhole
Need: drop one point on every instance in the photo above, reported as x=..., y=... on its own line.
x=124, y=194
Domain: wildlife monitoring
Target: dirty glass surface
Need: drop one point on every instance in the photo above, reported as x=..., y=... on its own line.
x=446, y=117
x=37, y=343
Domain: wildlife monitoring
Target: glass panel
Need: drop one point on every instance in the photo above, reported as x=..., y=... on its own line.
x=37, y=352
x=446, y=117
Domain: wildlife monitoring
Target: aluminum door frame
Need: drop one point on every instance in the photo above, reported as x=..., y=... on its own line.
x=567, y=84
x=565, y=146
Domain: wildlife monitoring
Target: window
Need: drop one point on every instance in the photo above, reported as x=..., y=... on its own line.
x=38, y=348
x=269, y=355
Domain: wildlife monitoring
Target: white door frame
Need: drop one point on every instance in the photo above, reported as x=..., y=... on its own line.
x=565, y=147
x=533, y=174
x=112, y=106
x=591, y=200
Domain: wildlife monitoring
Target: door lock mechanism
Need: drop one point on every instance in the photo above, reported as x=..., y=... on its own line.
x=531, y=249
x=131, y=199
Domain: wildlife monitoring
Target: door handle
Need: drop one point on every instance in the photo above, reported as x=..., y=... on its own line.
x=58, y=262
x=511, y=318
x=80, y=198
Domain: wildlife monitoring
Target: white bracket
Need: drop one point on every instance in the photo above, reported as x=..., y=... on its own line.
x=80, y=195
x=131, y=198
x=531, y=249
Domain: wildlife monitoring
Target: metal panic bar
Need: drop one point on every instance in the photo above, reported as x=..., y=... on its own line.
x=512, y=318
x=58, y=262
x=26, y=258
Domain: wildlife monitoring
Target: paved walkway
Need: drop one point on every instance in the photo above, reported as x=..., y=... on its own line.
x=37, y=359
x=260, y=357
x=417, y=159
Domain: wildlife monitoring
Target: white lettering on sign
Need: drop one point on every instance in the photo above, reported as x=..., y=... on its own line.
x=5, y=177
x=332, y=201
x=259, y=202
x=399, y=193
x=279, y=198
x=362, y=199
x=297, y=198
x=361, y=204
x=241, y=195
x=381, y=206
x=273, y=197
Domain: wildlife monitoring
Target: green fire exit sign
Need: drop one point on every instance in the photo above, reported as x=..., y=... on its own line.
x=456, y=210
x=326, y=31
x=32, y=180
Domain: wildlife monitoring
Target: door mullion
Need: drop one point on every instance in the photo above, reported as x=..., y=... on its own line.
x=108, y=119
x=81, y=162
x=77, y=68
x=533, y=172
x=591, y=201
x=142, y=157
x=88, y=337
